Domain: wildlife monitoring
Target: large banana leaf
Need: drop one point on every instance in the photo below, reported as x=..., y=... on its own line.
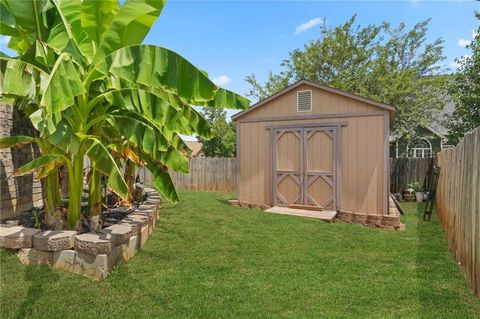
x=96, y=17
x=63, y=85
x=162, y=68
x=16, y=141
x=162, y=180
x=7, y=22
x=187, y=121
x=142, y=102
x=67, y=33
x=42, y=166
x=21, y=79
x=26, y=14
x=173, y=159
x=105, y=163
x=138, y=132
x=129, y=26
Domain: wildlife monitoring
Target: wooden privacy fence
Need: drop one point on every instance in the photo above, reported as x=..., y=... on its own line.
x=206, y=173
x=458, y=203
x=406, y=170
x=218, y=174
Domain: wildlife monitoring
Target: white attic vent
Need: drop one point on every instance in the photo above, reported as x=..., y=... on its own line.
x=304, y=101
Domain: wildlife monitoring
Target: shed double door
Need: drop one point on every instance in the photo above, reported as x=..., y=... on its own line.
x=305, y=166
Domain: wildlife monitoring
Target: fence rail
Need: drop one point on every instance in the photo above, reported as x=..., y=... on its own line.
x=458, y=203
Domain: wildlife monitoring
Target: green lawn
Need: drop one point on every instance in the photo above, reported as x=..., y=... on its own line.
x=209, y=260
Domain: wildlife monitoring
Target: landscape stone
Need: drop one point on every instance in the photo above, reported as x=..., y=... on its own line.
x=144, y=233
x=119, y=233
x=129, y=249
x=17, y=237
x=152, y=217
x=66, y=260
x=30, y=256
x=145, y=218
x=93, y=244
x=54, y=240
x=93, y=266
x=135, y=224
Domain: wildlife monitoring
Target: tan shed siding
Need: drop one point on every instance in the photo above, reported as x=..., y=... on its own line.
x=323, y=102
x=362, y=162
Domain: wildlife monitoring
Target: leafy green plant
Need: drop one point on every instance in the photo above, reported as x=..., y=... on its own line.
x=92, y=89
x=416, y=186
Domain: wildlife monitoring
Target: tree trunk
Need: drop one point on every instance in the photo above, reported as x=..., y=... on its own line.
x=95, y=199
x=75, y=181
x=52, y=201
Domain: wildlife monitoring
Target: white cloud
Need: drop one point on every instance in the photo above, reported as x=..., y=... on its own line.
x=4, y=39
x=464, y=42
x=222, y=80
x=307, y=25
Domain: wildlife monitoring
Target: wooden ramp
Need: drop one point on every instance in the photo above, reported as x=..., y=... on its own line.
x=326, y=215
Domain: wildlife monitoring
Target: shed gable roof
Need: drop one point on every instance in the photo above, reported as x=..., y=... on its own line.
x=316, y=85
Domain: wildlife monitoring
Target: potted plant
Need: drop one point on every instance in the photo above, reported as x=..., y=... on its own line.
x=418, y=188
x=408, y=193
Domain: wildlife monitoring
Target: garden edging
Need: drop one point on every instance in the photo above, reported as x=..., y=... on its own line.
x=90, y=254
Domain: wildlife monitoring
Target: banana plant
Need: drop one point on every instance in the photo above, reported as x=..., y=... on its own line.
x=90, y=86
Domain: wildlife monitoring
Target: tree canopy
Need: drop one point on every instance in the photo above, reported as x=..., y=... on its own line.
x=223, y=144
x=388, y=64
x=466, y=92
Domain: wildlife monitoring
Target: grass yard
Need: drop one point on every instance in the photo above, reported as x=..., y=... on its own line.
x=209, y=260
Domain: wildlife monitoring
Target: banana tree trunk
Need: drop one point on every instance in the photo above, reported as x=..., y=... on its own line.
x=53, y=214
x=75, y=181
x=129, y=177
x=95, y=199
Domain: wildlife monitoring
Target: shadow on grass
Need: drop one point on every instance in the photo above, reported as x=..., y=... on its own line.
x=39, y=276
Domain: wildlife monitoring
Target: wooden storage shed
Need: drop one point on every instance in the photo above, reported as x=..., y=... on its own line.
x=314, y=145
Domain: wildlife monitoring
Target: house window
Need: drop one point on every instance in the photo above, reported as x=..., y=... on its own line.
x=304, y=101
x=419, y=148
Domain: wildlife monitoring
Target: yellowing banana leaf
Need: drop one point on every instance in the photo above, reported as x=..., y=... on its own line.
x=43, y=165
x=16, y=141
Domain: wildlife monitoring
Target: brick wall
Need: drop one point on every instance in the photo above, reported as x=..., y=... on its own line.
x=17, y=193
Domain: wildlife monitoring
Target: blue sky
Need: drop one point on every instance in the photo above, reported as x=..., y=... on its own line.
x=232, y=39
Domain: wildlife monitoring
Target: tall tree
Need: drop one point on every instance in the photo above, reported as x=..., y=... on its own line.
x=389, y=64
x=224, y=142
x=466, y=91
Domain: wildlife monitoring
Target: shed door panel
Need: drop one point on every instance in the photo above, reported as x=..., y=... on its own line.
x=320, y=167
x=289, y=167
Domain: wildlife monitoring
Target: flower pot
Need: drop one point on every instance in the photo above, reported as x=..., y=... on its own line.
x=420, y=196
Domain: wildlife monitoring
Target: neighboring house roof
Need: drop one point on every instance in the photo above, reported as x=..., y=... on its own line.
x=438, y=123
x=437, y=126
x=322, y=87
x=196, y=148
